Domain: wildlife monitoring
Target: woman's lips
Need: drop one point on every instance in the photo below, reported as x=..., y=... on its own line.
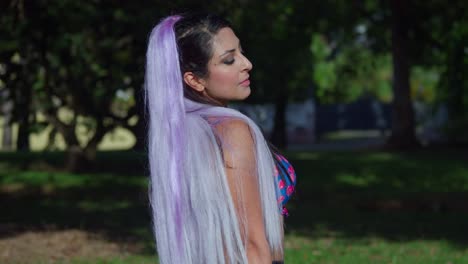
x=245, y=83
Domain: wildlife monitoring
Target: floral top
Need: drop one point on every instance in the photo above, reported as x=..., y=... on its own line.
x=285, y=177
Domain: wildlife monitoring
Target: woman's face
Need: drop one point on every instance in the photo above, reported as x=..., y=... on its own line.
x=228, y=70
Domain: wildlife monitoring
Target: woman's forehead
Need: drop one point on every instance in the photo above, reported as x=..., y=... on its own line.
x=225, y=40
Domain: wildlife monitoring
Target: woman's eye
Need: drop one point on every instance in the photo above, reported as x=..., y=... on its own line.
x=229, y=62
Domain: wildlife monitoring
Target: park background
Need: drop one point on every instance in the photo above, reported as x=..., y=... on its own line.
x=369, y=100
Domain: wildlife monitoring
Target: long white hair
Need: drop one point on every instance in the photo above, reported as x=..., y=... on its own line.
x=194, y=217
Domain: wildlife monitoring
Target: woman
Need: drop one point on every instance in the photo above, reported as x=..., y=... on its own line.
x=215, y=192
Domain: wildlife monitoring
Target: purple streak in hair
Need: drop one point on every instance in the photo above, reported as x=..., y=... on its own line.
x=164, y=86
x=175, y=112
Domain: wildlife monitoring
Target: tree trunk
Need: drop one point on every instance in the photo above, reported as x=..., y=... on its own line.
x=458, y=115
x=22, y=143
x=278, y=136
x=403, y=125
x=140, y=135
x=76, y=160
x=139, y=129
x=24, y=104
x=455, y=79
x=7, y=137
x=6, y=111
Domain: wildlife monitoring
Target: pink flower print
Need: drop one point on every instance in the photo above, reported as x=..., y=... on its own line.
x=285, y=211
x=279, y=157
x=276, y=171
x=291, y=173
x=281, y=184
x=281, y=199
x=283, y=158
x=290, y=190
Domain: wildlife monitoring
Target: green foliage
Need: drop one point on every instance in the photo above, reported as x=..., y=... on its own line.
x=424, y=82
x=453, y=85
x=343, y=74
x=352, y=70
x=81, y=55
x=324, y=71
x=76, y=56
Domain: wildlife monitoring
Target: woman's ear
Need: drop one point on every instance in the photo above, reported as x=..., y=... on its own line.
x=193, y=81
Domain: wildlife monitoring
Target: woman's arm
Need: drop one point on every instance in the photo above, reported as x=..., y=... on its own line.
x=239, y=155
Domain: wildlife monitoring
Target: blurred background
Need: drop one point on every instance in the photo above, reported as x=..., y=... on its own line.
x=369, y=100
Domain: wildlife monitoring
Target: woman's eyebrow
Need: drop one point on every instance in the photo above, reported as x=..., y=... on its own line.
x=227, y=51
x=232, y=50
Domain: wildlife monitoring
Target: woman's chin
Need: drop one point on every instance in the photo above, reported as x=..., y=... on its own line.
x=247, y=92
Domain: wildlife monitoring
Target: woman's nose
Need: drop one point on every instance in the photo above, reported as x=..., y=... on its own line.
x=247, y=64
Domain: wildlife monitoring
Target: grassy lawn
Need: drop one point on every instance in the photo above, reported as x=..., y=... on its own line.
x=350, y=207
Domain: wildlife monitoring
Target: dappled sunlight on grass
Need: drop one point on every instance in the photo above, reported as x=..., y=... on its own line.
x=370, y=207
x=306, y=155
x=335, y=248
x=363, y=180
x=381, y=172
x=62, y=180
x=89, y=205
x=38, y=178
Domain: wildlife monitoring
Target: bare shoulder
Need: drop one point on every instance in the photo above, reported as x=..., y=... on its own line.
x=234, y=131
x=236, y=142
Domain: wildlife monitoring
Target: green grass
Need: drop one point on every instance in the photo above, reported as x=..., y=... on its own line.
x=350, y=207
x=383, y=172
x=125, y=260
x=373, y=250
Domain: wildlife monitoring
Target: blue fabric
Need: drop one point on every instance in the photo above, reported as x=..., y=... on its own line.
x=285, y=181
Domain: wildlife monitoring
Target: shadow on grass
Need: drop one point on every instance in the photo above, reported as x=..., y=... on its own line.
x=119, y=214
x=36, y=196
x=399, y=197
x=395, y=196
